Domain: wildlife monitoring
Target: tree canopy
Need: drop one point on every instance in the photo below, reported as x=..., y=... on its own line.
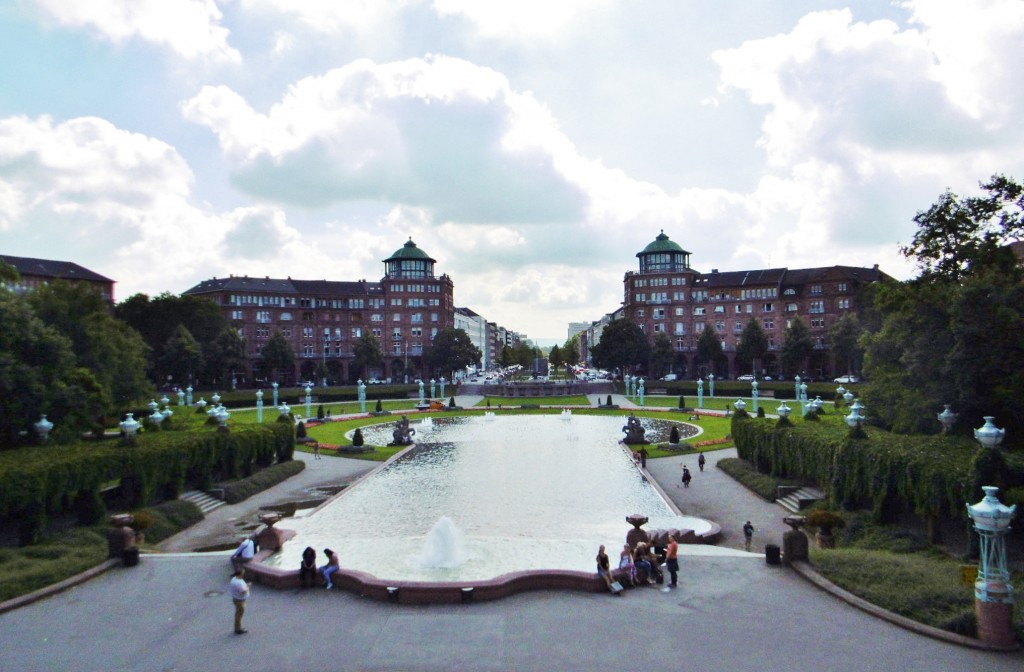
x=623, y=346
x=368, y=354
x=709, y=350
x=278, y=355
x=452, y=350
x=753, y=346
x=797, y=346
x=662, y=355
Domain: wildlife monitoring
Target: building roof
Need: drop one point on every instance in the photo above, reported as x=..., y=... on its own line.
x=661, y=244
x=409, y=251
x=268, y=285
x=48, y=268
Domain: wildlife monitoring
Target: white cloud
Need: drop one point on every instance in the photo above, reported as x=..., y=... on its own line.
x=439, y=133
x=524, y=20
x=332, y=16
x=191, y=28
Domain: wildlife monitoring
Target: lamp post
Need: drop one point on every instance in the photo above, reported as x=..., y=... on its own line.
x=43, y=428
x=947, y=418
x=803, y=398
x=309, y=401
x=273, y=386
x=442, y=381
x=361, y=387
x=259, y=406
x=432, y=384
x=700, y=393
x=796, y=381
x=181, y=397
x=993, y=592
x=753, y=394
x=640, y=391
x=130, y=426
x=711, y=384
x=188, y=395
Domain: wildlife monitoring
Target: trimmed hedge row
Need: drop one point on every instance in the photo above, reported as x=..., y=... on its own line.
x=243, y=489
x=932, y=476
x=39, y=481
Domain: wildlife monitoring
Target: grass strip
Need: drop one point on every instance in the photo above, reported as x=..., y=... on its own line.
x=762, y=484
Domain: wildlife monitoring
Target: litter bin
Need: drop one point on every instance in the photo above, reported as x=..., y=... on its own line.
x=772, y=555
x=131, y=557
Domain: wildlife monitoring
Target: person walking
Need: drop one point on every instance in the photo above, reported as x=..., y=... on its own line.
x=239, y=595
x=748, y=535
x=643, y=457
x=701, y=460
x=687, y=477
x=672, y=563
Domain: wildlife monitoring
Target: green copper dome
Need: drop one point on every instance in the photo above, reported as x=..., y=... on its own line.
x=662, y=244
x=409, y=251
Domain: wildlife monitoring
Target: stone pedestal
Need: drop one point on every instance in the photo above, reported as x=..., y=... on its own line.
x=794, y=541
x=995, y=618
x=270, y=538
x=636, y=535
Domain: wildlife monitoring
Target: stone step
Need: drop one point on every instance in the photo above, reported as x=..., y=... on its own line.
x=204, y=501
x=800, y=499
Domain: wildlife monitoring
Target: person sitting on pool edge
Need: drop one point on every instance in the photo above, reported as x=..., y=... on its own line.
x=604, y=569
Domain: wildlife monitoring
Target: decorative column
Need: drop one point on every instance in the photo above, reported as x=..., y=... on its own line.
x=640, y=391
x=753, y=394
x=181, y=397
x=947, y=418
x=432, y=384
x=309, y=402
x=130, y=426
x=993, y=593
x=421, y=392
x=259, y=406
x=43, y=428
x=273, y=386
x=442, y=381
x=711, y=384
x=361, y=386
x=188, y=395
x=803, y=398
x=796, y=381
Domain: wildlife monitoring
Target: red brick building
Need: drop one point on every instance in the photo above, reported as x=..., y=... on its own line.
x=669, y=297
x=39, y=272
x=323, y=319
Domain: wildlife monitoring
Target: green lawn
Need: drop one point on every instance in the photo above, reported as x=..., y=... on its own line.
x=566, y=400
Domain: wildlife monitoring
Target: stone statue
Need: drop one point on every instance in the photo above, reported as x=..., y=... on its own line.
x=634, y=431
x=403, y=433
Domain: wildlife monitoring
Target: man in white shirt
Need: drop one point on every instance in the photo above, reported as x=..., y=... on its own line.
x=239, y=595
x=246, y=551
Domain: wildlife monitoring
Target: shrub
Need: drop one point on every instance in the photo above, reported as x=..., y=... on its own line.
x=142, y=520
x=673, y=436
x=451, y=403
x=609, y=402
x=300, y=430
x=169, y=518
x=825, y=521
x=379, y=407
x=320, y=412
x=760, y=411
x=357, y=437
x=682, y=401
x=242, y=489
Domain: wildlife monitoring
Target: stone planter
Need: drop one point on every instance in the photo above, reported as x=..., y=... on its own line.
x=825, y=539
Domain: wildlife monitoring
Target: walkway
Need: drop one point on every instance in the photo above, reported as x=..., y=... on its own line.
x=172, y=612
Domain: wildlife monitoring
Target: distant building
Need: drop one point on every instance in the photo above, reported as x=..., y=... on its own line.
x=667, y=296
x=323, y=319
x=36, y=273
x=475, y=327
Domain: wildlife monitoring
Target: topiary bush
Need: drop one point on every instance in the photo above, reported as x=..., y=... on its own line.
x=240, y=490
x=357, y=437
x=673, y=436
x=300, y=430
x=682, y=402
x=760, y=411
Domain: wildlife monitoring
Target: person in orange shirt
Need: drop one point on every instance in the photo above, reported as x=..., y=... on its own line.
x=672, y=562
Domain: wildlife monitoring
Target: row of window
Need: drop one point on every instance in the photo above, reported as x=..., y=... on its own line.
x=264, y=317
x=814, y=307
x=262, y=333
x=433, y=289
x=768, y=324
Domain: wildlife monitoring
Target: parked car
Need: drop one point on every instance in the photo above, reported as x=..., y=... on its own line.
x=747, y=378
x=670, y=377
x=846, y=379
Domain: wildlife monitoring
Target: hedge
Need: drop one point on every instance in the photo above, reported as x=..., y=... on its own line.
x=928, y=475
x=243, y=489
x=38, y=481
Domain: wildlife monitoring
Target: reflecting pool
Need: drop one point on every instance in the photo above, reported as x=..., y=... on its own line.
x=519, y=492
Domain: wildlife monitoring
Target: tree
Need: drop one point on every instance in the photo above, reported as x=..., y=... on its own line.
x=623, y=346
x=452, y=350
x=844, y=338
x=709, y=349
x=368, y=354
x=571, y=351
x=113, y=353
x=182, y=356
x=226, y=357
x=37, y=364
x=555, y=358
x=278, y=355
x=797, y=346
x=662, y=355
x=507, y=356
x=957, y=236
x=753, y=346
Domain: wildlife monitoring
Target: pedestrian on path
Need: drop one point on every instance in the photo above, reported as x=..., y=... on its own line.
x=701, y=460
x=748, y=535
x=672, y=562
x=239, y=595
x=643, y=457
x=686, y=477
x=316, y=450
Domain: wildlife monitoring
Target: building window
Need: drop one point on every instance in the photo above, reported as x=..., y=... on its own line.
x=680, y=328
x=769, y=323
x=263, y=316
x=769, y=308
x=680, y=311
x=357, y=332
x=817, y=306
x=815, y=289
x=737, y=328
x=396, y=317
x=376, y=317
x=659, y=328
x=286, y=332
x=699, y=327
x=720, y=326
x=286, y=317
x=844, y=304
x=237, y=315
x=417, y=318
x=396, y=302
x=641, y=312
x=699, y=310
x=659, y=313
x=817, y=323
x=792, y=307
x=843, y=287
x=307, y=332
x=434, y=317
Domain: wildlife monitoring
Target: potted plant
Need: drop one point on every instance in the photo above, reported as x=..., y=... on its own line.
x=825, y=522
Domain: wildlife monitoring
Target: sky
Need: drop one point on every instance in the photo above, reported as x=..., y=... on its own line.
x=532, y=148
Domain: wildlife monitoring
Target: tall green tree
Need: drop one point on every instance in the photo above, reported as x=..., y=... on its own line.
x=113, y=352
x=623, y=346
x=226, y=356
x=709, y=350
x=571, y=351
x=452, y=350
x=368, y=354
x=797, y=346
x=555, y=358
x=182, y=356
x=752, y=348
x=844, y=339
x=507, y=356
x=662, y=355
x=278, y=355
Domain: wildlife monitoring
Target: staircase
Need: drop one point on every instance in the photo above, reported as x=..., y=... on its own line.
x=204, y=501
x=796, y=498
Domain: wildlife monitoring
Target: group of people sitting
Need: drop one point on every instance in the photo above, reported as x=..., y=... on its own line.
x=308, y=570
x=643, y=563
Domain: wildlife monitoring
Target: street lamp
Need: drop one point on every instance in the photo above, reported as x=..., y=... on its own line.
x=947, y=418
x=188, y=395
x=740, y=405
x=753, y=393
x=259, y=406
x=711, y=384
x=273, y=385
x=309, y=401
x=993, y=592
x=988, y=435
x=43, y=428
x=700, y=393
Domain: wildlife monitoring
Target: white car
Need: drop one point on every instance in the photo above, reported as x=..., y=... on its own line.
x=847, y=379
x=670, y=377
x=746, y=378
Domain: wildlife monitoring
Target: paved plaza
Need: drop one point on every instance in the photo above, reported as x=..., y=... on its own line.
x=731, y=612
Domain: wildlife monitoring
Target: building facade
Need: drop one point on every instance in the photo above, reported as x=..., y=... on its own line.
x=667, y=296
x=36, y=273
x=323, y=320
x=475, y=327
